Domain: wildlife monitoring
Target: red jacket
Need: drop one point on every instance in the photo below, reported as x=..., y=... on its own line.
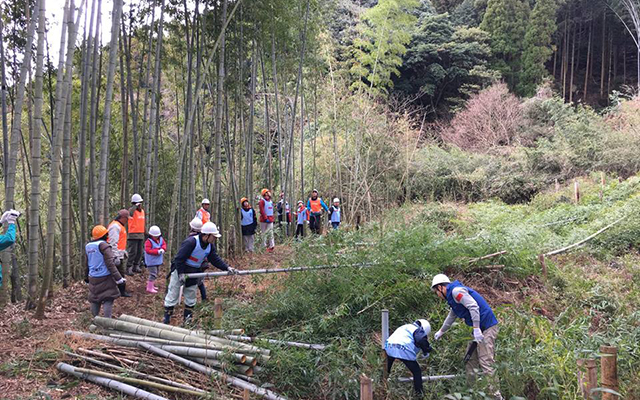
x=263, y=212
x=149, y=250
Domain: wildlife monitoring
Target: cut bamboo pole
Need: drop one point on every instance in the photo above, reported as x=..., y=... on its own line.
x=241, y=369
x=488, y=256
x=609, y=371
x=280, y=342
x=139, y=382
x=99, y=354
x=275, y=270
x=583, y=241
x=366, y=388
x=211, y=372
x=202, y=353
x=110, y=383
x=385, y=335
x=133, y=372
x=221, y=332
x=431, y=378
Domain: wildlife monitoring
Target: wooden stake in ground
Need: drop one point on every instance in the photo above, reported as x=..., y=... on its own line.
x=366, y=388
x=587, y=377
x=609, y=371
x=576, y=191
x=385, y=336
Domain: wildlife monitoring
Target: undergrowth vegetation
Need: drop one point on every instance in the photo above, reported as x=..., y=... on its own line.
x=590, y=297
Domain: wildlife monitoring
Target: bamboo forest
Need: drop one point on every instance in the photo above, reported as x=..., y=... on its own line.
x=320, y=199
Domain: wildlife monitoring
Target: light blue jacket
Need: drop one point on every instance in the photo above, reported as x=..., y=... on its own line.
x=7, y=240
x=401, y=344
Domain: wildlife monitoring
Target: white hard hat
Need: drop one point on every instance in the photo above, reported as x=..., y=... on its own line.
x=196, y=224
x=205, y=201
x=210, y=229
x=438, y=279
x=336, y=200
x=425, y=325
x=136, y=198
x=155, y=231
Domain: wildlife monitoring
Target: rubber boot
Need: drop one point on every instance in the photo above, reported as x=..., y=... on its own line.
x=123, y=290
x=203, y=291
x=129, y=271
x=150, y=287
x=188, y=316
x=168, y=312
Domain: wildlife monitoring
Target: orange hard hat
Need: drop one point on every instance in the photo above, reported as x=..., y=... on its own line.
x=98, y=231
x=264, y=191
x=242, y=200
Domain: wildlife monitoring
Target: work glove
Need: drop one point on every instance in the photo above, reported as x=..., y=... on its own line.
x=438, y=335
x=477, y=335
x=125, y=254
x=121, y=281
x=232, y=271
x=160, y=252
x=9, y=216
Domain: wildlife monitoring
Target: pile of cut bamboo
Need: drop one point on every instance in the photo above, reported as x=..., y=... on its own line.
x=137, y=353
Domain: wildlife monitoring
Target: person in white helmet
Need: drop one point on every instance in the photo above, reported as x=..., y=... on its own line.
x=404, y=345
x=135, y=238
x=194, y=251
x=154, y=249
x=335, y=216
x=469, y=305
x=195, y=226
x=203, y=213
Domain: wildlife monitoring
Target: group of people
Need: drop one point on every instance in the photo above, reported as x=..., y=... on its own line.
x=311, y=214
x=408, y=340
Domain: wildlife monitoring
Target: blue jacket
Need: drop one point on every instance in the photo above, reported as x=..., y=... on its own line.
x=487, y=317
x=7, y=240
x=184, y=252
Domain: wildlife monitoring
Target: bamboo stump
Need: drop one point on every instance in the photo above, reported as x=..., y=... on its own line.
x=587, y=377
x=576, y=191
x=544, y=265
x=609, y=371
x=217, y=313
x=366, y=388
x=245, y=394
x=385, y=336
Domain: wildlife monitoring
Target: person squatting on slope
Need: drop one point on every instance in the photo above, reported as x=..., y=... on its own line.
x=117, y=239
x=249, y=222
x=469, y=305
x=135, y=238
x=316, y=206
x=154, y=249
x=404, y=344
x=266, y=219
x=9, y=217
x=105, y=281
x=193, y=252
x=335, y=214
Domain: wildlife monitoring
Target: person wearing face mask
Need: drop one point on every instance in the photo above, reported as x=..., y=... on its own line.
x=194, y=251
x=469, y=305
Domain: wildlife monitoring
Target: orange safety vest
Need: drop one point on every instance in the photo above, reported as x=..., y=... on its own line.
x=122, y=239
x=136, y=223
x=205, y=215
x=316, y=206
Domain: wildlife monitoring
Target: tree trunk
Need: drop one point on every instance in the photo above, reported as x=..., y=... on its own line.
x=61, y=103
x=124, y=102
x=588, y=66
x=217, y=163
x=250, y=134
x=3, y=102
x=603, y=58
x=103, y=200
x=96, y=71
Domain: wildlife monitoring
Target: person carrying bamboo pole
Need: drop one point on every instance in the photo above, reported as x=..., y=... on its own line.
x=469, y=305
x=404, y=345
x=135, y=239
x=193, y=252
x=249, y=222
x=105, y=281
x=316, y=207
x=195, y=226
x=154, y=248
x=9, y=217
x=266, y=219
x=117, y=239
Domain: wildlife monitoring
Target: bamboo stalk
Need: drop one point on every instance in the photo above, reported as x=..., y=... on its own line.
x=319, y=347
x=275, y=270
x=430, y=378
x=130, y=371
x=487, y=256
x=153, y=340
x=565, y=249
x=211, y=372
x=203, y=353
x=109, y=356
x=110, y=383
x=240, y=369
x=221, y=332
x=140, y=382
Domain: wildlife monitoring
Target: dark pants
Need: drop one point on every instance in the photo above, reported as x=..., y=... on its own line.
x=335, y=225
x=300, y=230
x=414, y=367
x=135, y=247
x=315, y=223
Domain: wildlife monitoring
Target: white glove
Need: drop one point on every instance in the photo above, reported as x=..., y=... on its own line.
x=122, y=280
x=3, y=219
x=10, y=216
x=125, y=254
x=232, y=271
x=161, y=252
x=438, y=335
x=477, y=335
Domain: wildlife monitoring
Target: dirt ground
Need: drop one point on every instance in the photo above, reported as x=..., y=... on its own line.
x=29, y=347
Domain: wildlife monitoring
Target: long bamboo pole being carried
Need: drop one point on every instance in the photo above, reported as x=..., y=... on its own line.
x=110, y=383
x=274, y=270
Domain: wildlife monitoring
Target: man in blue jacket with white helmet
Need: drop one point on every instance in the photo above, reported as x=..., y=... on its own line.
x=469, y=305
